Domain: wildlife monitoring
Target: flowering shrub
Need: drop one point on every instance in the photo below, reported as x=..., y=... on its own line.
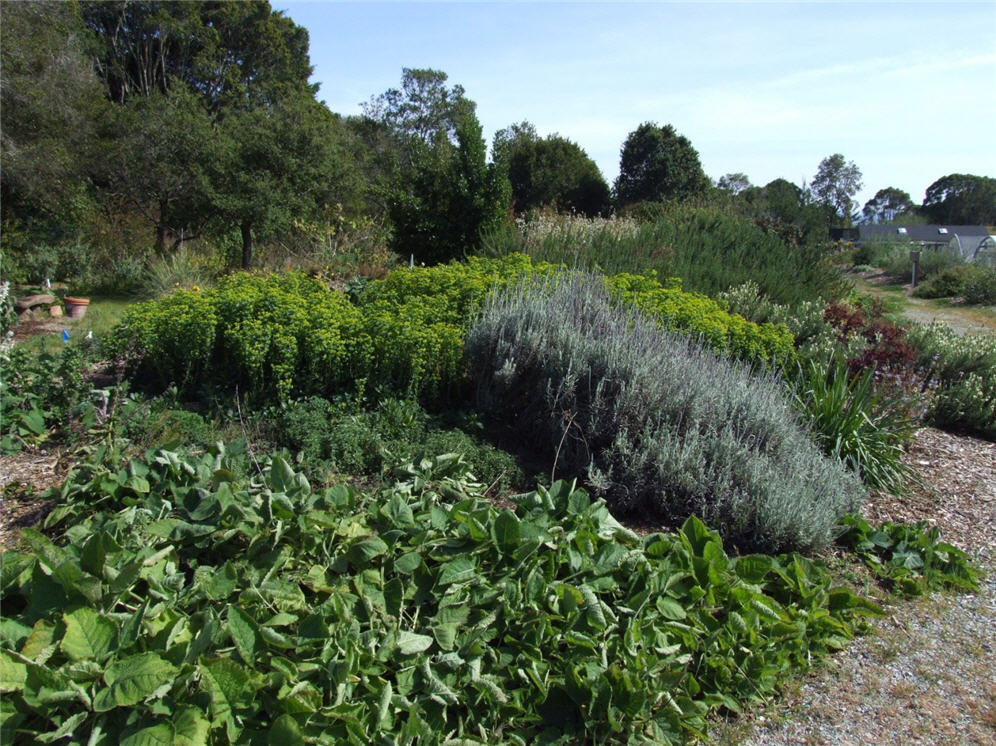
x=698, y=315
x=268, y=336
x=962, y=372
x=287, y=335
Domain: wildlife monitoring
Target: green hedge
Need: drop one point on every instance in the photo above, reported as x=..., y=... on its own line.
x=268, y=336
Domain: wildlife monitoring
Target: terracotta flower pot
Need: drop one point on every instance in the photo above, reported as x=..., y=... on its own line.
x=76, y=307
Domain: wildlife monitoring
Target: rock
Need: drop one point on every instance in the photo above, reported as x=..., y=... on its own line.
x=30, y=301
x=55, y=311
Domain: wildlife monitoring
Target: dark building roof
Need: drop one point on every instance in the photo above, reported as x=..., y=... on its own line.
x=933, y=234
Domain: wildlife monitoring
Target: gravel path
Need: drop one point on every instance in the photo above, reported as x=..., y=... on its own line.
x=926, y=674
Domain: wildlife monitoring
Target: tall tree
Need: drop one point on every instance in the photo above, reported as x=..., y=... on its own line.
x=423, y=108
x=450, y=197
x=275, y=164
x=887, y=205
x=550, y=171
x=734, y=183
x=961, y=199
x=49, y=99
x=234, y=55
x=204, y=75
x=155, y=157
x=657, y=164
x=835, y=184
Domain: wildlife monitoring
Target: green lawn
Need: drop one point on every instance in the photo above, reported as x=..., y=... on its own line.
x=101, y=316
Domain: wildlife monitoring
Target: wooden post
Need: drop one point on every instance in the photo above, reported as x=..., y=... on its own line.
x=915, y=258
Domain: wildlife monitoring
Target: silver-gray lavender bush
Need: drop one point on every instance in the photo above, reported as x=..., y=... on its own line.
x=654, y=421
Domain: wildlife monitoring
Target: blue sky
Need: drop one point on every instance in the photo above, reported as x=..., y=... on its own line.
x=905, y=90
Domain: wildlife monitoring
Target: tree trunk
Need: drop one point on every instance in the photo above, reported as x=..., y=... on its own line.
x=246, y=246
x=161, y=238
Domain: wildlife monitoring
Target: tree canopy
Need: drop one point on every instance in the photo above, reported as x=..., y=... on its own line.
x=734, y=183
x=888, y=204
x=961, y=199
x=234, y=55
x=834, y=185
x=423, y=108
x=658, y=164
x=49, y=102
x=549, y=171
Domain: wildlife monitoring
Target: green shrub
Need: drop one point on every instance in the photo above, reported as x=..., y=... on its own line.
x=897, y=263
x=948, y=283
x=980, y=287
x=703, y=318
x=288, y=336
x=262, y=610
x=43, y=397
x=346, y=439
x=654, y=421
x=850, y=420
x=267, y=336
x=711, y=250
x=960, y=374
x=814, y=337
x=875, y=252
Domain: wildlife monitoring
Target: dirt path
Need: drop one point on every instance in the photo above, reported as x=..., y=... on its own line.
x=963, y=319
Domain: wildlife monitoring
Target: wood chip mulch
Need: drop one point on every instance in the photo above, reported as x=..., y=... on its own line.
x=23, y=477
x=926, y=674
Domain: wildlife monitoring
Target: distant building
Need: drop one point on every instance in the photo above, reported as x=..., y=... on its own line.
x=970, y=242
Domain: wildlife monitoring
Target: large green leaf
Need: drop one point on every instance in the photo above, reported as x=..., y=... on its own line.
x=228, y=686
x=506, y=531
x=363, y=551
x=410, y=643
x=132, y=679
x=460, y=570
x=245, y=634
x=89, y=635
x=285, y=732
x=187, y=728
x=13, y=672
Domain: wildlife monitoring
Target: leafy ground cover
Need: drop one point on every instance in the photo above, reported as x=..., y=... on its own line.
x=182, y=599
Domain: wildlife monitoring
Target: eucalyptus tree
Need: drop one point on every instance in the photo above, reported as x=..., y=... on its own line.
x=888, y=204
x=834, y=186
x=961, y=199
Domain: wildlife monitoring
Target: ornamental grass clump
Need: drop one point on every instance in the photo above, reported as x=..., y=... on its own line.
x=654, y=421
